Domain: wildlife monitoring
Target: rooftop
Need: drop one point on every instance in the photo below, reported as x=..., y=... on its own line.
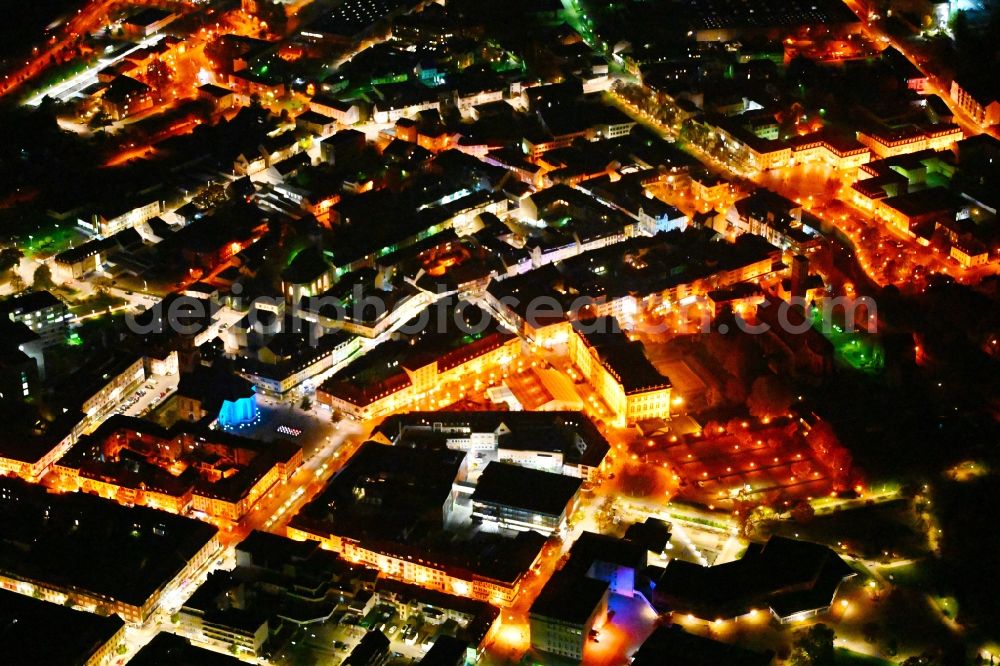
x=571, y=433
x=213, y=385
x=88, y=543
x=387, y=491
x=590, y=548
x=674, y=646
x=308, y=265
x=371, y=649
x=147, y=17
x=924, y=202
x=446, y=651
x=122, y=88
x=133, y=453
x=31, y=301
x=525, y=488
x=167, y=648
x=30, y=432
x=569, y=598
x=215, y=91
x=785, y=575
x=622, y=357
x=391, y=499
x=27, y=625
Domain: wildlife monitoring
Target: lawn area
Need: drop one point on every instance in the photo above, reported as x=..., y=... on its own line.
x=51, y=238
x=166, y=413
x=917, y=575
x=848, y=658
x=859, y=350
x=97, y=303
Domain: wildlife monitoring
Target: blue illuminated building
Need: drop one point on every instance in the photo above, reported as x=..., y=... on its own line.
x=215, y=394
x=239, y=413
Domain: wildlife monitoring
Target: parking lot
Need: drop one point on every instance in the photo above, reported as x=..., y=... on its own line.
x=154, y=392
x=762, y=465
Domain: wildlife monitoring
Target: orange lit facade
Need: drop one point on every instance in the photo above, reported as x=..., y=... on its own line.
x=770, y=155
x=227, y=490
x=552, y=333
x=34, y=470
x=112, y=393
x=130, y=612
x=400, y=392
x=422, y=571
x=231, y=508
x=903, y=142
x=969, y=253
x=846, y=158
x=626, y=307
x=320, y=206
x=708, y=187
x=629, y=404
x=109, y=650
x=107, y=224
x=985, y=109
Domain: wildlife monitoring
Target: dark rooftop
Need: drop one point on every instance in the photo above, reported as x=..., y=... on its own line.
x=166, y=648
x=390, y=498
x=446, y=651
x=571, y=433
x=30, y=433
x=129, y=452
x=785, y=575
x=590, y=548
x=384, y=491
x=213, y=385
x=624, y=358
x=28, y=302
x=36, y=632
x=215, y=91
x=122, y=88
x=85, y=542
x=147, y=17
x=307, y=265
x=676, y=647
x=370, y=650
x=569, y=598
x=525, y=488
x=270, y=551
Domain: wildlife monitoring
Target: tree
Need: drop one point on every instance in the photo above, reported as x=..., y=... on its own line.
x=769, y=396
x=814, y=647
x=803, y=511
x=273, y=14
x=10, y=257
x=100, y=119
x=754, y=519
x=43, y=277
x=734, y=392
